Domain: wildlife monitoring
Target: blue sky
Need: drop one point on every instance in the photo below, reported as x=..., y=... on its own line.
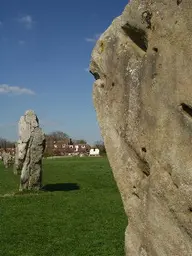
x=45, y=50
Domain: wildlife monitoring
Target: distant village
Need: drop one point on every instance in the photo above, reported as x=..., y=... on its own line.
x=66, y=147
x=58, y=144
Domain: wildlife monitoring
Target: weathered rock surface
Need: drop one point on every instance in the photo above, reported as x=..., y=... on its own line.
x=29, y=152
x=7, y=159
x=143, y=98
x=17, y=163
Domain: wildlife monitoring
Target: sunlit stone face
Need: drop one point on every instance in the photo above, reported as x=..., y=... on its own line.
x=143, y=98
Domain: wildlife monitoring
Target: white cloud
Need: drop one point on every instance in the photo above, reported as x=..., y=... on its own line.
x=6, y=125
x=45, y=122
x=53, y=124
x=16, y=90
x=21, y=42
x=27, y=21
x=86, y=69
x=92, y=39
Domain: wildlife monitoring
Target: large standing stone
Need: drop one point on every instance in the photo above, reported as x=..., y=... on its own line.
x=143, y=98
x=29, y=152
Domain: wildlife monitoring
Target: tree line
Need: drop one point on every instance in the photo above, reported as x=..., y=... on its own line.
x=59, y=136
x=4, y=143
x=56, y=136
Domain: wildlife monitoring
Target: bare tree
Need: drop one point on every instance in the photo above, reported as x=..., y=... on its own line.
x=81, y=141
x=57, y=136
x=101, y=146
x=54, y=137
x=4, y=143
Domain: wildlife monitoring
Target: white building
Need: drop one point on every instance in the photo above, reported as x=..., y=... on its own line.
x=94, y=152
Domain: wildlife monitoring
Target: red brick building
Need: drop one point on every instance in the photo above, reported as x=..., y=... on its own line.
x=58, y=148
x=8, y=150
x=65, y=147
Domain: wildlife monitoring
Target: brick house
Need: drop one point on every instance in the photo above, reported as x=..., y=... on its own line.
x=58, y=148
x=65, y=147
x=8, y=150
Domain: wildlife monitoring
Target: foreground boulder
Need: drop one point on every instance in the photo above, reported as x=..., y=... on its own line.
x=143, y=97
x=29, y=152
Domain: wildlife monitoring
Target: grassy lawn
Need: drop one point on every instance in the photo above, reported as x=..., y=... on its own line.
x=79, y=214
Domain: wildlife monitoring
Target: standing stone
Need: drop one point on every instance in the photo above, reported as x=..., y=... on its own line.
x=7, y=159
x=17, y=163
x=29, y=152
x=143, y=98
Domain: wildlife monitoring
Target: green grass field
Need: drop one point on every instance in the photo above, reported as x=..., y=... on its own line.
x=79, y=214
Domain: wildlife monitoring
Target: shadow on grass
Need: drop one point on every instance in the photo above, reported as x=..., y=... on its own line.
x=61, y=187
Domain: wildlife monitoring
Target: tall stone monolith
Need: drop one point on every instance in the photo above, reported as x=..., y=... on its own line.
x=143, y=99
x=29, y=152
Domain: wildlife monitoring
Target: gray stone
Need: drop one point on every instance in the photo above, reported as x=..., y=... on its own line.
x=143, y=97
x=29, y=152
x=7, y=159
x=17, y=163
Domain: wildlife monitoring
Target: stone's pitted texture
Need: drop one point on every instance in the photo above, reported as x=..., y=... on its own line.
x=7, y=159
x=143, y=98
x=29, y=152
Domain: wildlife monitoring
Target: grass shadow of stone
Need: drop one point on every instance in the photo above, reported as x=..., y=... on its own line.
x=60, y=187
